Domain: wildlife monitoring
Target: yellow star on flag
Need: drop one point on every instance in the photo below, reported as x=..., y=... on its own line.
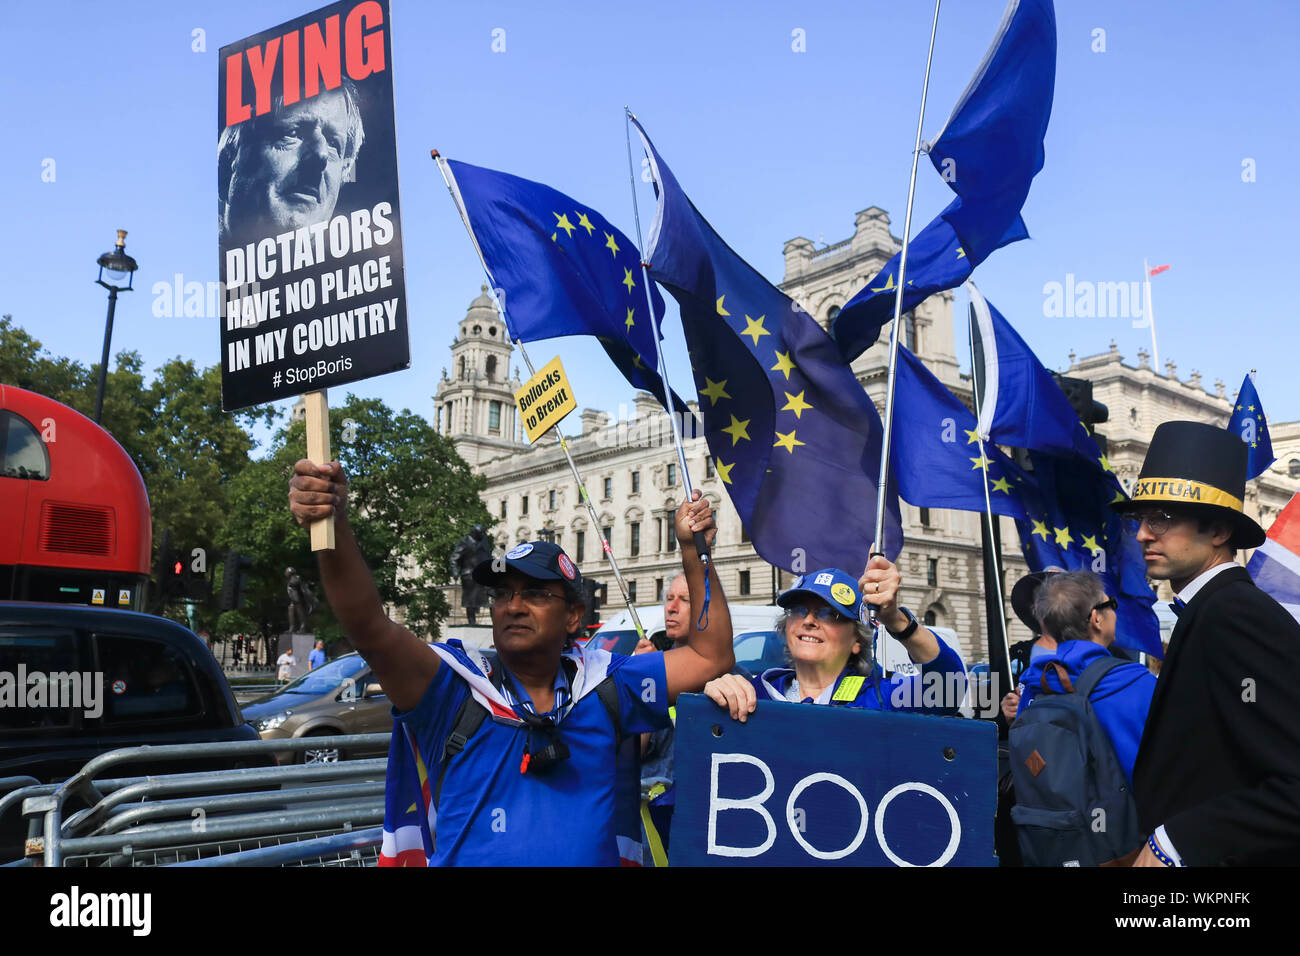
x=783, y=364
x=1063, y=538
x=562, y=222
x=980, y=462
x=737, y=430
x=887, y=286
x=629, y=323
x=1119, y=496
x=1250, y=408
x=715, y=390
x=796, y=404
x=755, y=328
x=724, y=471
x=636, y=360
x=610, y=244
x=1090, y=542
x=628, y=280
x=585, y=223
x=961, y=254
x=1105, y=463
x=1040, y=528
x=787, y=441
x=1002, y=485
x=972, y=435
x=721, y=309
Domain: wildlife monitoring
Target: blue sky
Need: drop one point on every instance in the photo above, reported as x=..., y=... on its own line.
x=1145, y=156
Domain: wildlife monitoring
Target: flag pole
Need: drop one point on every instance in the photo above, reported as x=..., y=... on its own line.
x=701, y=547
x=449, y=179
x=977, y=387
x=879, y=543
x=1151, y=317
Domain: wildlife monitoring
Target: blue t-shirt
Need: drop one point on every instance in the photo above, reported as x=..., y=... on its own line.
x=491, y=814
x=315, y=659
x=938, y=689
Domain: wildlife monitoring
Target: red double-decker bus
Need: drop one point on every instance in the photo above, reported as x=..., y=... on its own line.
x=74, y=513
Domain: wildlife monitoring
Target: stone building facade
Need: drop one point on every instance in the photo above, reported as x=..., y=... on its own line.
x=632, y=475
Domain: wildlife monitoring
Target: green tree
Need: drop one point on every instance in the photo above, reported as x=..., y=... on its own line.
x=411, y=499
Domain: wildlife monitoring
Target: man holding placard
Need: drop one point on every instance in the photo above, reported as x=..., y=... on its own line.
x=517, y=762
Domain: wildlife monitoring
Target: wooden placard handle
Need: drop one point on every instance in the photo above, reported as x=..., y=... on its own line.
x=318, y=451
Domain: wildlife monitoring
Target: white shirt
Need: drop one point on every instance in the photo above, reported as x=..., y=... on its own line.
x=1198, y=582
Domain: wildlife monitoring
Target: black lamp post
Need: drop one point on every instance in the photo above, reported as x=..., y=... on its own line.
x=116, y=273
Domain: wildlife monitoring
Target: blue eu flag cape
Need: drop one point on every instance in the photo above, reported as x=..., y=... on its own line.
x=562, y=269
x=1249, y=422
x=795, y=437
x=988, y=152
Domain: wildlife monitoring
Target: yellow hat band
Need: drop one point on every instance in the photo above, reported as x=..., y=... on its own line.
x=1184, y=490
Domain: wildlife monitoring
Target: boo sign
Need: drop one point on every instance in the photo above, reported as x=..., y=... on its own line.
x=799, y=785
x=309, y=224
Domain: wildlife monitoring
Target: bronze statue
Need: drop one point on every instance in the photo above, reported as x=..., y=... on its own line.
x=302, y=601
x=473, y=548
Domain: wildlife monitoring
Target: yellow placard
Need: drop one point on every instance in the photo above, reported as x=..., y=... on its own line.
x=544, y=400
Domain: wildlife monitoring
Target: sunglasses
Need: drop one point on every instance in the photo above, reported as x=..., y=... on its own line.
x=823, y=613
x=1110, y=603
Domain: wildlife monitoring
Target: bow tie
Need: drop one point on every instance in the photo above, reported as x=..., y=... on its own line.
x=1177, y=605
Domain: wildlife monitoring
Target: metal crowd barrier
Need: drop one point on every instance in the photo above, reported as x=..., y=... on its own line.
x=313, y=814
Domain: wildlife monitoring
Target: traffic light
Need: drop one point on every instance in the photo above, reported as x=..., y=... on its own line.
x=194, y=574
x=233, y=580
x=1078, y=391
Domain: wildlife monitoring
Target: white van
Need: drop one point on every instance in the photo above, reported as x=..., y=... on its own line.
x=753, y=629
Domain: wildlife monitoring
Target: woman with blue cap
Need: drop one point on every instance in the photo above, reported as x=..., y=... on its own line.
x=830, y=650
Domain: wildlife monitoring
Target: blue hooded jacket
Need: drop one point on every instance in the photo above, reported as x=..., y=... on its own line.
x=1121, y=699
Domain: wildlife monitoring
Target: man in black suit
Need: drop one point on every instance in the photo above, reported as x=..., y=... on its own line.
x=1217, y=777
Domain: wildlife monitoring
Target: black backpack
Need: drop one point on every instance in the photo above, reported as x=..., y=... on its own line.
x=1073, y=806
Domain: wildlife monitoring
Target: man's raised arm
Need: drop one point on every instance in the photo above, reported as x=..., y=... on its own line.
x=402, y=662
x=708, y=653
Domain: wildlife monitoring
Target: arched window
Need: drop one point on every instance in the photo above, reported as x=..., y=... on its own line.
x=833, y=313
x=478, y=330
x=1293, y=467
x=491, y=367
x=22, y=453
x=462, y=367
x=909, y=332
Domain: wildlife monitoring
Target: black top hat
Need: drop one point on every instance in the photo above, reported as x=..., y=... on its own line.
x=1197, y=468
x=1023, y=595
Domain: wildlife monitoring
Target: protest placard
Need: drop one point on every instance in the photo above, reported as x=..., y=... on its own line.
x=313, y=290
x=544, y=400
x=797, y=785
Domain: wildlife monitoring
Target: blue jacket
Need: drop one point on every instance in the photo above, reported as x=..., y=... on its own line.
x=1121, y=699
x=937, y=690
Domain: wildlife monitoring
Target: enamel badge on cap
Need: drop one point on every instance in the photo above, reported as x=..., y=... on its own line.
x=843, y=593
x=519, y=551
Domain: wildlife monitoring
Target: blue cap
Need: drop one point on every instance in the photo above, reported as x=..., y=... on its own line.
x=837, y=588
x=543, y=560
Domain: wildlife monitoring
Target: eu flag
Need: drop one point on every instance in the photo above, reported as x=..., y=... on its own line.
x=988, y=152
x=1020, y=403
x=562, y=269
x=1249, y=422
x=1070, y=525
x=935, y=450
x=795, y=437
